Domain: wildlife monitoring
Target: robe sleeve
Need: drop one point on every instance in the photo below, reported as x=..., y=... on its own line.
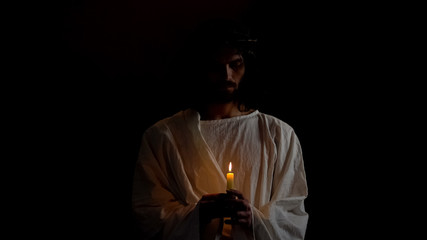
x=284, y=216
x=160, y=211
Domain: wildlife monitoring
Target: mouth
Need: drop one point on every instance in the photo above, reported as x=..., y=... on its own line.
x=228, y=84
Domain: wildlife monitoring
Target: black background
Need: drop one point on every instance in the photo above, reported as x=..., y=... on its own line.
x=97, y=72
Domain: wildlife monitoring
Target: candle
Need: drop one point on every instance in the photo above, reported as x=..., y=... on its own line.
x=230, y=178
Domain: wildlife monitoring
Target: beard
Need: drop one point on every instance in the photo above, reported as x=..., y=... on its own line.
x=223, y=92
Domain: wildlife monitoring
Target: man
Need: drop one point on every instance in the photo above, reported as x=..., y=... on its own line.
x=180, y=183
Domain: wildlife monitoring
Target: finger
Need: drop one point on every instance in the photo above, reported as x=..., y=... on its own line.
x=237, y=205
x=243, y=218
x=236, y=193
x=207, y=197
x=222, y=196
x=243, y=214
x=241, y=221
x=213, y=209
x=244, y=222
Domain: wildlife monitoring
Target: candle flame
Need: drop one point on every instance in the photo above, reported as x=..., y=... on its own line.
x=229, y=167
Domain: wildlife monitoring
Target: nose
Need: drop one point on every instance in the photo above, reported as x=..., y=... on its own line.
x=226, y=72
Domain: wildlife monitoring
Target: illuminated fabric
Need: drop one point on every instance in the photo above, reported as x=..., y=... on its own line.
x=182, y=158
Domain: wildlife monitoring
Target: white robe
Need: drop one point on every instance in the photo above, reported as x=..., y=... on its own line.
x=177, y=164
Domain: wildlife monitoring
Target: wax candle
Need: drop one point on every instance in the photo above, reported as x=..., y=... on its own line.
x=230, y=177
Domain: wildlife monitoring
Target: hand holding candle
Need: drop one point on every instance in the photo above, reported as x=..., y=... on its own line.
x=230, y=178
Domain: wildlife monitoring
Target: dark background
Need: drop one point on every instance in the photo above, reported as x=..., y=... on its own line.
x=329, y=71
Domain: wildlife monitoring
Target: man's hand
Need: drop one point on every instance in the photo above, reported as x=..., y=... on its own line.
x=213, y=206
x=231, y=204
x=240, y=208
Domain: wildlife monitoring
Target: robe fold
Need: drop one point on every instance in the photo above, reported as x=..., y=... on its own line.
x=182, y=158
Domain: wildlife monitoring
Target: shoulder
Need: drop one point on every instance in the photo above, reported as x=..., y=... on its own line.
x=281, y=133
x=162, y=125
x=274, y=123
x=175, y=122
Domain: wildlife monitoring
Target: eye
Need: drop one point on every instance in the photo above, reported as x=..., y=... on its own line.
x=236, y=64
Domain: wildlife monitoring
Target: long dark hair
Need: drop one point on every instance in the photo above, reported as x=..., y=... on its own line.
x=207, y=37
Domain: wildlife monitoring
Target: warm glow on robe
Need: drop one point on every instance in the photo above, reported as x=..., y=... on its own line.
x=182, y=158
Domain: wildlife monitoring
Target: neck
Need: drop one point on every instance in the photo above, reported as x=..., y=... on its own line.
x=215, y=111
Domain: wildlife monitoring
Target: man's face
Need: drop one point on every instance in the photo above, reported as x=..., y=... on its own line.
x=225, y=72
